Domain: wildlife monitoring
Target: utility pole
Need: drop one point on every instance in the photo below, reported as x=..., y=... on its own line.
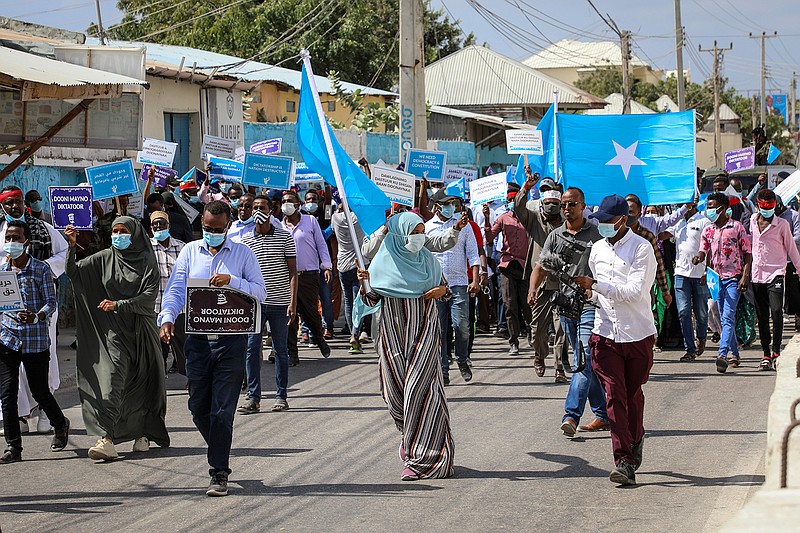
x=679, y=57
x=100, y=31
x=413, y=116
x=625, y=45
x=763, y=38
x=718, y=52
x=793, y=103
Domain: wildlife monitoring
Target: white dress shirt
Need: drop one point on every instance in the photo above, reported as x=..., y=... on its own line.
x=456, y=260
x=687, y=235
x=625, y=272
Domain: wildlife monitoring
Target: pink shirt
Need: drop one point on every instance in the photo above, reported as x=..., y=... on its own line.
x=727, y=246
x=770, y=249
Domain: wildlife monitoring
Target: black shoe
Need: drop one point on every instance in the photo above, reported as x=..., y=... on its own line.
x=637, y=454
x=60, y=437
x=466, y=373
x=294, y=361
x=271, y=357
x=722, y=365
x=218, y=485
x=324, y=349
x=10, y=456
x=624, y=474
x=74, y=344
x=446, y=376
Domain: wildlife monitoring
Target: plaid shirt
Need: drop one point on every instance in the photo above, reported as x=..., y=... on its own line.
x=661, y=272
x=38, y=295
x=165, y=257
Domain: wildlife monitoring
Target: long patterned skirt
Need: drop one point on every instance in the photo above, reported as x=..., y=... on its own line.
x=412, y=385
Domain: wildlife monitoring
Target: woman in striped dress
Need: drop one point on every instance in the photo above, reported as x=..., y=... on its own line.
x=408, y=280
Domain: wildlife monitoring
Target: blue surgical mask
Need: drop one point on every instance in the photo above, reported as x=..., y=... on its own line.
x=161, y=235
x=767, y=213
x=311, y=207
x=213, y=239
x=121, y=241
x=194, y=199
x=607, y=229
x=225, y=187
x=36, y=206
x=14, y=249
x=235, y=203
x=510, y=206
x=712, y=214
x=249, y=220
x=729, y=212
x=448, y=211
x=9, y=218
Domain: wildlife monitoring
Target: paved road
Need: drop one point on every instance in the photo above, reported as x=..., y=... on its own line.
x=330, y=463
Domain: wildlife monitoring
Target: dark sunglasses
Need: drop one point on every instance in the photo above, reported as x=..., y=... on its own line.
x=564, y=205
x=214, y=230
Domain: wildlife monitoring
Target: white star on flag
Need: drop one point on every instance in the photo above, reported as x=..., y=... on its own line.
x=626, y=158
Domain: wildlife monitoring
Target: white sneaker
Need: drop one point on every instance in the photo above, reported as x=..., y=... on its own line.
x=142, y=444
x=364, y=338
x=103, y=451
x=43, y=425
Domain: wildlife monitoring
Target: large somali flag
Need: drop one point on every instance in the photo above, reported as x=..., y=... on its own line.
x=364, y=197
x=651, y=156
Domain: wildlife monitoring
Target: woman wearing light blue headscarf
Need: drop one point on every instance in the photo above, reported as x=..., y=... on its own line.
x=408, y=279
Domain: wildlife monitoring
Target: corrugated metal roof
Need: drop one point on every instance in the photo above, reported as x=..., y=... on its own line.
x=29, y=67
x=478, y=117
x=476, y=75
x=726, y=113
x=171, y=57
x=665, y=101
x=614, y=107
x=576, y=54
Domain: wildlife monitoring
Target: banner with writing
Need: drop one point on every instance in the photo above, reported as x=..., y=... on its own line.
x=221, y=168
x=268, y=147
x=397, y=185
x=112, y=179
x=487, y=190
x=71, y=206
x=156, y=152
x=220, y=310
x=10, y=295
x=428, y=164
x=218, y=146
x=270, y=171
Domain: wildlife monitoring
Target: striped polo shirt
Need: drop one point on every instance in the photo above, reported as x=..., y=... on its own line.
x=272, y=251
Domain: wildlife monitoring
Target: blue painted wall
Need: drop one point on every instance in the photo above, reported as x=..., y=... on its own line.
x=29, y=177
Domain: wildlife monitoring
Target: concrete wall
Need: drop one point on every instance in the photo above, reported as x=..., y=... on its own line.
x=705, y=148
x=571, y=74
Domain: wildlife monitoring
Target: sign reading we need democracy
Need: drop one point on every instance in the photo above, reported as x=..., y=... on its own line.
x=428, y=164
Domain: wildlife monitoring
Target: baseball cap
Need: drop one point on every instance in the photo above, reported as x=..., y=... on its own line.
x=546, y=184
x=611, y=206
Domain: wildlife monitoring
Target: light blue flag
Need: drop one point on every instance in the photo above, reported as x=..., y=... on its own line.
x=457, y=188
x=651, y=156
x=543, y=164
x=366, y=200
x=773, y=154
x=712, y=281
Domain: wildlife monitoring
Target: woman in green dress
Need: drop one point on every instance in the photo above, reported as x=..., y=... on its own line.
x=120, y=367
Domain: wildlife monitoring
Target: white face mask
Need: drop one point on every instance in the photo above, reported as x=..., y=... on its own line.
x=415, y=242
x=288, y=209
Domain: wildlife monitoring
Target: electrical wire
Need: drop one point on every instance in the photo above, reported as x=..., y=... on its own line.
x=215, y=11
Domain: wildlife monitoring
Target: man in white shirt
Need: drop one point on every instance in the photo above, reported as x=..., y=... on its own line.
x=623, y=267
x=691, y=292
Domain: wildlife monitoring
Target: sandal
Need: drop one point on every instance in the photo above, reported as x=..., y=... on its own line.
x=733, y=361
x=280, y=405
x=688, y=356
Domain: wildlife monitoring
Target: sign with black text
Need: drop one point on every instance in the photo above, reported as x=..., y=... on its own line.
x=220, y=310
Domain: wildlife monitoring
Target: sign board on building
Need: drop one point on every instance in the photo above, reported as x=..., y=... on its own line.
x=222, y=114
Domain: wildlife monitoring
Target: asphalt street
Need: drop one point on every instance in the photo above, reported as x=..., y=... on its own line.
x=330, y=463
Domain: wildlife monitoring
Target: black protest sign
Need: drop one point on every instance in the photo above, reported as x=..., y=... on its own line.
x=221, y=311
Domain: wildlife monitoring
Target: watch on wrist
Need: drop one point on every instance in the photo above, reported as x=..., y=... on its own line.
x=36, y=318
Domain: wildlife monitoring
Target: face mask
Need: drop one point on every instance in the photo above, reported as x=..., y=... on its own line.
x=161, y=235
x=551, y=209
x=94, y=220
x=225, y=187
x=121, y=241
x=729, y=212
x=9, y=218
x=288, y=209
x=448, y=211
x=261, y=217
x=213, y=239
x=415, y=242
x=194, y=200
x=767, y=213
x=311, y=207
x=607, y=229
x=14, y=249
x=510, y=206
x=249, y=220
x=712, y=214
x=36, y=206
x=235, y=203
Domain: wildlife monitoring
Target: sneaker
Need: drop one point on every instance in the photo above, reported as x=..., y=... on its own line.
x=408, y=475
x=103, y=451
x=142, y=444
x=722, y=365
x=324, y=349
x=568, y=427
x=513, y=349
x=355, y=346
x=561, y=377
x=469, y=362
x=638, y=448
x=305, y=338
x=775, y=357
x=313, y=344
x=10, y=456
x=623, y=474
x=43, y=426
x=501, y=334
x=466, y=373
x=60, y=437
x=271, y=357
x=218, y=485
x=249, y=407
x=364, y=338
x=766, y=363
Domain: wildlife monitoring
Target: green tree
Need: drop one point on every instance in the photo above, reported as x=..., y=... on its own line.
x=357, y=38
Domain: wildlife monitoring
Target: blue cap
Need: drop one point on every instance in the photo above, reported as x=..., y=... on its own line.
x=611, y=206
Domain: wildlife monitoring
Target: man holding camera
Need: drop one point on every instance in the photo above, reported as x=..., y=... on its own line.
x=623, y=267
x=572, y=244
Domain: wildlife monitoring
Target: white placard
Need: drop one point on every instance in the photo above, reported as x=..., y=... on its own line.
x=524, y=142
x=456, y=173
x=788, y=188
x=487, y=190
x=10, y=295
x=397, y=185
x=218, y=146
x=156, y=152
x=239, y=154
x=190, y=212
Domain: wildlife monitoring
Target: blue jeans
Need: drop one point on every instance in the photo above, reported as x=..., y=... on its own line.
x=326, y=299
x=214, y=369
x=350, y=288
x=279, y=330
x=727, y=302
x=455, y=312
x=691, y=294
x=584, y=384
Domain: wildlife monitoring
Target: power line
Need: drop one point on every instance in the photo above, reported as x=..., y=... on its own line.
x=215, y=11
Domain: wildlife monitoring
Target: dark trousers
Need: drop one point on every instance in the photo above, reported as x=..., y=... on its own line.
x=37, y=366
x=176, y=345
x=769, y=303
x=484, y=317
x=515, y=297
x=275, y=315
x=215, y=369
x=792, y=299
x=307, y=307
x=622, y=368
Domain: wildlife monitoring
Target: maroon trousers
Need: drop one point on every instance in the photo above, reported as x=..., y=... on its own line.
x=622, y=369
